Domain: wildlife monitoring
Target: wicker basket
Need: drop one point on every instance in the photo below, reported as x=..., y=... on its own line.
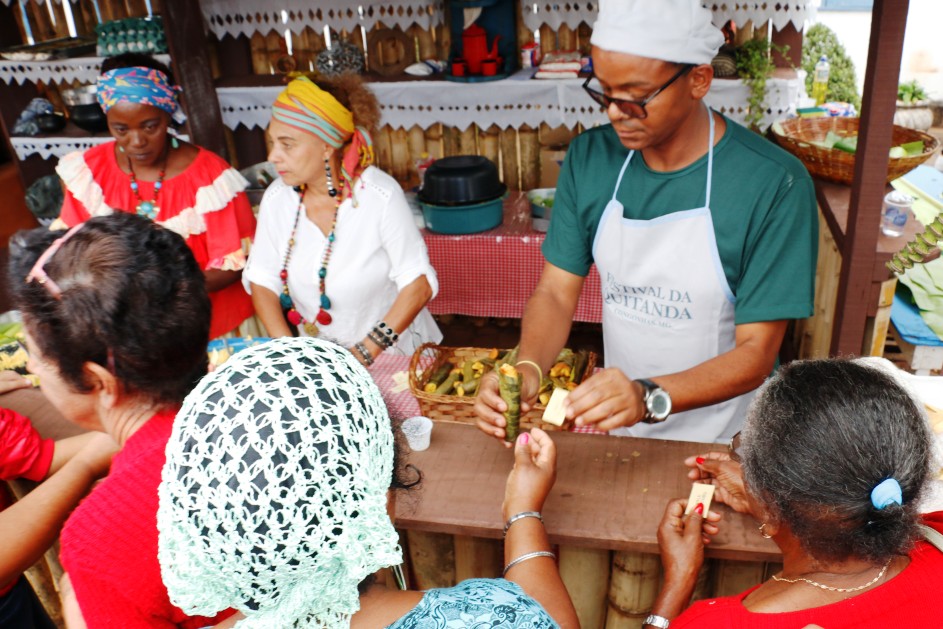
x=839, y=166
x=452, y=408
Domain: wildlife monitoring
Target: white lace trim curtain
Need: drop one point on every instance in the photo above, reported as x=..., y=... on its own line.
x=81, y=69
x=555, y=13
x=508, y=103
x=246, y=17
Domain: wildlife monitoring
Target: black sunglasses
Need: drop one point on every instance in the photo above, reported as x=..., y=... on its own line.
x=632, y=108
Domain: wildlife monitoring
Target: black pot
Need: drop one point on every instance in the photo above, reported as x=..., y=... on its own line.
x=89, y=117
x=461, y=180
x=50, y=123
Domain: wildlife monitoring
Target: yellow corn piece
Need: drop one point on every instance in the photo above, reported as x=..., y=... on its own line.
x=459, y=390
x=493, y=354
x=430, y=387
x=561, y=369
x=544, y=397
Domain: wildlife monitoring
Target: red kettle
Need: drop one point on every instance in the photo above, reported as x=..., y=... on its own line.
x=475, y=48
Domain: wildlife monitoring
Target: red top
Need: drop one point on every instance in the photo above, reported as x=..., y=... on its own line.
x=24, y=455
x=109, y=544
x=909, y=600
x=205, y=204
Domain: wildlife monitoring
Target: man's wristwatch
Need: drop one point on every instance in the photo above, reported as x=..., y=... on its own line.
x=657, y=621
x=657, y=402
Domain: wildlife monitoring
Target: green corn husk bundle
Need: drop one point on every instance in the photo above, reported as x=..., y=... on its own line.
x=917, y=249
x=509, y=386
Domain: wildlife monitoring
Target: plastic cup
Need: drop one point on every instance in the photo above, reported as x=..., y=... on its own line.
x=418, y=432
x=897, y=205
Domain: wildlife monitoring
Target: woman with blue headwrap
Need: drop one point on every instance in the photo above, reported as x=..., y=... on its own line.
x=337, y=253
x=152, y=173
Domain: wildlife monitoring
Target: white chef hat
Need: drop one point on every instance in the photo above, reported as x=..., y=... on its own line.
x=679, y=31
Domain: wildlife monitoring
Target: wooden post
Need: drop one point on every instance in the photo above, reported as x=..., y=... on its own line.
x=489, y=143
x=477, y=558
x=585, y=572
x=882, y=320
x=183, y=25
x=432, y=559
x=633, y=587
x=859, y=250
x=733, y=577
x=468, y=141
x=510, y=162
x=529, y=158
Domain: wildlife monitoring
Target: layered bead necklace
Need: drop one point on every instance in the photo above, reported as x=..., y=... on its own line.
x=288, y=304
x=149, y=209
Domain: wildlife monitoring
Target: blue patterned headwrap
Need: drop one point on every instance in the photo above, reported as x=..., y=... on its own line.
x=144, y=86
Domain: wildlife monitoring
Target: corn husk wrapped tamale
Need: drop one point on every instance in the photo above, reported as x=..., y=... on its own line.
x=509, y=386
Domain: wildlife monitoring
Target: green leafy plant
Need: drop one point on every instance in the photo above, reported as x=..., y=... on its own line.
x=911, y=92
x=821, y=40
x=754, y=66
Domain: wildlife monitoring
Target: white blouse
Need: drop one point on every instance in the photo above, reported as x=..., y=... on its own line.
x=377, y=252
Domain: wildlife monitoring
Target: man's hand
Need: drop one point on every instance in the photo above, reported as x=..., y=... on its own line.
x=717, y=469
x=607, y=400
x=490, y=408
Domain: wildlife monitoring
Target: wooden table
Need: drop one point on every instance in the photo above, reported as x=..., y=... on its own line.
x=610, y=492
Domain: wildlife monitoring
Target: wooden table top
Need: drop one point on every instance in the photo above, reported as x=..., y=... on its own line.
x=610, y=492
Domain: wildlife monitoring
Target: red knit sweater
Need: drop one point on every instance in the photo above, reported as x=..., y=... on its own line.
x=109, y=544
x=911, y=599
x=23, y=454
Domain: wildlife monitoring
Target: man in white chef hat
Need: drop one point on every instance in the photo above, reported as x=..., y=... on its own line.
x=703, y=232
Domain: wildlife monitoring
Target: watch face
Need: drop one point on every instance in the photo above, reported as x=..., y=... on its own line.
x=659, y=404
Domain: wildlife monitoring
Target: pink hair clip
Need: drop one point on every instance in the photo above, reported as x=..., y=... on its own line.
x=38, y=272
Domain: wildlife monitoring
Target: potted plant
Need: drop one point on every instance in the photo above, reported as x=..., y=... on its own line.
x=913, y=107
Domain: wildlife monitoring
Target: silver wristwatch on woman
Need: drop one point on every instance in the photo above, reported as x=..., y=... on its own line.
x=657, y=621
x=657, y=402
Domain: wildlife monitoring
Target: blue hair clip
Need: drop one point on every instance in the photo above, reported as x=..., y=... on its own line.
x=885, y=493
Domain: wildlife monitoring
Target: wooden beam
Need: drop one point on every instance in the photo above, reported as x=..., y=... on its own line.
x=183, y=25
x=888, y=22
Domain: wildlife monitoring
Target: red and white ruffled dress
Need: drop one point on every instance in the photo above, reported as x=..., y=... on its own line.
x=205, y=204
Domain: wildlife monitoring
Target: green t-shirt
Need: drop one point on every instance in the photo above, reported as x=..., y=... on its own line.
x=762, y=205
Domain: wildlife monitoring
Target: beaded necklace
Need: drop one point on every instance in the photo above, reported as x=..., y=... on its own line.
x=323, y=317
x=148, y=209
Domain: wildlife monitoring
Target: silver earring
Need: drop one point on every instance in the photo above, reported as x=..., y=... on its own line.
x=173, y=142
x=763, y=532
x=331, y=190
x=121, y=149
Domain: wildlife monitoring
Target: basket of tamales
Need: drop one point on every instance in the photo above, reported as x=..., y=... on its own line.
x=445, y=380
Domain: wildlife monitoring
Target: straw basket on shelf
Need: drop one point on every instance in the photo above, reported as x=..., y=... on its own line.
x=461, y=409
x=797, y=135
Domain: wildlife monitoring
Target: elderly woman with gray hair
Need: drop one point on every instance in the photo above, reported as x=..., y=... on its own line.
x=833, y=460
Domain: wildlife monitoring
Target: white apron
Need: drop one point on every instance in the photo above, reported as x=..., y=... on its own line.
x=667, y=306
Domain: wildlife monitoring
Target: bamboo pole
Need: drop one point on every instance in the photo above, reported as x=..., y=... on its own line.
x=633, y=587
x=384, y=148
x=529, y=153
x=468, y=141
x=566, y=37
x=510, y=164
x=585, y=572
x=477, y=558
x=450, y=141
x=489, y=143
x=733, y=577
x=259, y=52
x=399, y=141
x=432, y=559
x=435, y=145
x=548, y=39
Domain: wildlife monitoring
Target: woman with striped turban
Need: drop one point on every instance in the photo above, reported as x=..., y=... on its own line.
x=337, y=253
x=149, y=172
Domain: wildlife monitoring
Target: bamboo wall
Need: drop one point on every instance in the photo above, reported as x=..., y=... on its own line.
x=47, y=20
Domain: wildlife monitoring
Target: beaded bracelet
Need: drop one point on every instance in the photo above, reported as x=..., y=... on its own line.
x=525, y=557
x=520, y=516
x=364, y=353
x=383, y=329
x=381, y=341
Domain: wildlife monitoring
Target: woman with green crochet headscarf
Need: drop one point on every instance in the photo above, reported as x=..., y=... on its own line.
x=274, y=503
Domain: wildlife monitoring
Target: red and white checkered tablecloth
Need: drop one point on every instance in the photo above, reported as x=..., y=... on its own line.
x=492, y=274
x=401, y=402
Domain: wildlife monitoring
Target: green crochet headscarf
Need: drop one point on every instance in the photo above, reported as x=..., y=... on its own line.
x=273, y=496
